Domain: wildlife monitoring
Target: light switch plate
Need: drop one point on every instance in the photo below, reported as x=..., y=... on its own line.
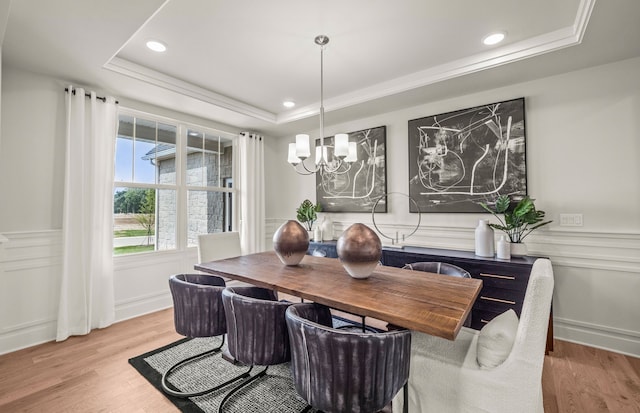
x=571, y=220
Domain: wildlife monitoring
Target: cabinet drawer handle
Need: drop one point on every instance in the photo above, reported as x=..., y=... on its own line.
x=498, y=300
x=504, y=277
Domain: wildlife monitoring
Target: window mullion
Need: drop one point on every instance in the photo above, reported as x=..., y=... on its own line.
x=172, y=175
x=181, y=176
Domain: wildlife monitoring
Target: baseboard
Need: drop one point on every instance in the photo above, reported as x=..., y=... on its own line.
x=24, y=336
x=602, y=337
x=42, y=331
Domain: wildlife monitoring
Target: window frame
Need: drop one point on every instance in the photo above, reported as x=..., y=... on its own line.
x=180, y=187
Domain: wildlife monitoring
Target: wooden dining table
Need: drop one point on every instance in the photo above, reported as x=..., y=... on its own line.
x=431, y=303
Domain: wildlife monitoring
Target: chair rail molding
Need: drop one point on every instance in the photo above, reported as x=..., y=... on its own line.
x=602, y=265
x=599, y=250
x=30, y=273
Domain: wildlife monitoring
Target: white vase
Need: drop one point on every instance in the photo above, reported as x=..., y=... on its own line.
x=327, y=228
x=317, y=234
x=484, y=239
x=518, y=249
x=503, y=250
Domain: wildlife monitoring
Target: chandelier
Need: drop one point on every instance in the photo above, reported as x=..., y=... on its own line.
x=333, y=159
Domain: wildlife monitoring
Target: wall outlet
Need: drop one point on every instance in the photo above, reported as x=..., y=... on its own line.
x=570, y=220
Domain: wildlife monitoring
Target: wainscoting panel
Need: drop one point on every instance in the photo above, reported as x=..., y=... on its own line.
x=595, y=301
x=141, y=281
x=597, y=277
x=30, y=278
x=30, y=272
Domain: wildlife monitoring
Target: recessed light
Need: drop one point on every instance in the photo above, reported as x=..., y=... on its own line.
x=493, y=38
x=288, y=103
x=156, y=46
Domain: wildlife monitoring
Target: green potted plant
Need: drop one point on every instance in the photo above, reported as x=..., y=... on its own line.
x=307, y=213
x=519, y=220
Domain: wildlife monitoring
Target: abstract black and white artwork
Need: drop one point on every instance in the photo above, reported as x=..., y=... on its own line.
x=461, y=158
x=355, y=187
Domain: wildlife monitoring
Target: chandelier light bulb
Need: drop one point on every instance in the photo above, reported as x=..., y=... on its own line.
x=344, y=152
x=342, y=145
x=353, y=152
x=302, y=146
x=293, y=158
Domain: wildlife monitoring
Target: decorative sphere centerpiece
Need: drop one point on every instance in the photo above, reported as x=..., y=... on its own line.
x=291, y=242
x=359, y=249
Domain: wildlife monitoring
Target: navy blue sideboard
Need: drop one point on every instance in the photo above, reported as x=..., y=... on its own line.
x=504, y=282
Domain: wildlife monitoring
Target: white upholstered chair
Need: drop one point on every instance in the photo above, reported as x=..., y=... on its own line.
x=446, y=377
x=218, y=246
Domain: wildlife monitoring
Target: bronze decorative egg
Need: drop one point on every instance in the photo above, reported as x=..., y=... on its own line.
x=359, y=249
x=291, y=242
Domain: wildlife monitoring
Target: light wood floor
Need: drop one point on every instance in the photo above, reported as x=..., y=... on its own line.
x=91, y=374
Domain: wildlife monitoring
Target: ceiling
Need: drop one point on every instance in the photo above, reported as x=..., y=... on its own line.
x=235, y=61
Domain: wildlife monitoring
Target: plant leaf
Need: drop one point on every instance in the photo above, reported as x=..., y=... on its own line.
x=499, y=227
x=502, y=204
x=539, y=225
x=486, y=207
x=524, y=207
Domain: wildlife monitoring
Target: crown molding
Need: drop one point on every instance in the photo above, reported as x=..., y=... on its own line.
x=161, y=80
x=545, y=43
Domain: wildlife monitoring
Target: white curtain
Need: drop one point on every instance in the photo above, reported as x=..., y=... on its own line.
x=250, y=171
x=86, y=291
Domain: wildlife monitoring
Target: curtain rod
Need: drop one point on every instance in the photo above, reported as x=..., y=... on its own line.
x=102, y=98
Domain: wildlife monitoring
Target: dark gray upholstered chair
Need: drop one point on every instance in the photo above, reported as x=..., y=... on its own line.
x=441, y=268
x=256, y=330
x=341, y=371
x=198, y=312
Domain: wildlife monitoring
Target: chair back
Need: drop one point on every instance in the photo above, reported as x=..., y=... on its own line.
x=447, y=378
x=531, y=337
x=439, y=268
x=256, y=328
x=218, y=246
x=197, y=305
x=342, y=371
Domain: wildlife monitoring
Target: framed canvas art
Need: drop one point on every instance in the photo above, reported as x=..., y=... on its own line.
x=459, y=159
x=355, y=187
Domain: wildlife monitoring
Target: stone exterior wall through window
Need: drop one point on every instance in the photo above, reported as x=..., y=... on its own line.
x=166, y=206
x=205, y=209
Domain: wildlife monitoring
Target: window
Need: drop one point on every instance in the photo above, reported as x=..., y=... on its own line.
x=209, y=166
x=172, y=182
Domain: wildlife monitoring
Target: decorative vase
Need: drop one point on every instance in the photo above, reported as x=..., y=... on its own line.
x=484, y=239
x=327, y=228
x=317, y=234
x=359, y=249
x=518, y=249
x=291, y=242
x=503, y=251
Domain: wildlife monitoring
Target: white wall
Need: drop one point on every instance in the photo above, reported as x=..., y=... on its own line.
x=583, y=146
x=31, y=187
x=583, y=133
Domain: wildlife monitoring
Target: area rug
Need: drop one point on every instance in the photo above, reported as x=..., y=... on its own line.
x=274, y=393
